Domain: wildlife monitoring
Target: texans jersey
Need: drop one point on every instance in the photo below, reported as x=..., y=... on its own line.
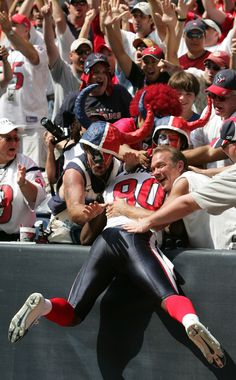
x=15, y=211
x=137, y=189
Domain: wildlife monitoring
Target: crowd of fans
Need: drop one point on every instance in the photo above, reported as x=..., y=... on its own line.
x=66, y=66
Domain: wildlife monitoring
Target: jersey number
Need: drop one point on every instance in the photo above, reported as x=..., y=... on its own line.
x=6, y=198
x=128, y=189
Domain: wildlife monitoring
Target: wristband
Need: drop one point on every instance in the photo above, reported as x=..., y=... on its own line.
x=181, y=19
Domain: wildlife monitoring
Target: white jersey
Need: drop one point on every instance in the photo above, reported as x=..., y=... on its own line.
x=25, y=102
x=15, y=211
x=137, y=189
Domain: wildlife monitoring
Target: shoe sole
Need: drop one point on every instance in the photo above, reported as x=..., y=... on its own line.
x=25, y=317
x=207, y=344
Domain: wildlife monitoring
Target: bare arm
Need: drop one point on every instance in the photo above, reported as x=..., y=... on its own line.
x=120, y=207
x=58, y=16
x=26, y=7
x=90, y=16
x=48, y=32
x=156, y=9
x=204, y=154
x=28, y=189
x=6, y=74
x=115, y=42
x=74, y=195
x=175, y=210
x=212, y=12
x=19, y=43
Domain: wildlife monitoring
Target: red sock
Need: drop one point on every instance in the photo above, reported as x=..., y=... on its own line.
x=179, y=306
x=62, y=312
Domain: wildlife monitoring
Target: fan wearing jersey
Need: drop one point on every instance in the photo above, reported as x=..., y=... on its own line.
x=21, y=185
x=116, y=252
x=25, y=103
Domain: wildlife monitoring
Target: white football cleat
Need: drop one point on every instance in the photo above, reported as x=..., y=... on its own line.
x=26, y=317
x=207, y=344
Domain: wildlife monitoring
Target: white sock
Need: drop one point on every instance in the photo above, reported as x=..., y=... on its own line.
x=47, y=307
x=189, y=319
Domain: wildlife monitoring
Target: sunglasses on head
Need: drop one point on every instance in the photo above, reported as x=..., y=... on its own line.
x=212, y=66
x=196, y=35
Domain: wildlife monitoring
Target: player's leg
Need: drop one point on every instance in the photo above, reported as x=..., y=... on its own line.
x=91, y=281
x=149, y=269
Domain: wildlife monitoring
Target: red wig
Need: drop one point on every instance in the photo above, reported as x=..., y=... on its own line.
x=163, y=99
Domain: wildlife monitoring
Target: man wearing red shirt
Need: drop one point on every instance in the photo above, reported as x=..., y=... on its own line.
x=194, y=35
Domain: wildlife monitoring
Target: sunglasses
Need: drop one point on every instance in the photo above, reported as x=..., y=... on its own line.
x=219, y=98
x=196, y=35
x=78, y=2
x=213, y=66
x=9, y=139
x=83, y=51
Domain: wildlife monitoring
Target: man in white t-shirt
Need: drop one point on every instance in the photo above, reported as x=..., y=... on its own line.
x=24, y=102
x=143, y=26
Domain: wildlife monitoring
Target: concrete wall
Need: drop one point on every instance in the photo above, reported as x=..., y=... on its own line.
x=125, y=336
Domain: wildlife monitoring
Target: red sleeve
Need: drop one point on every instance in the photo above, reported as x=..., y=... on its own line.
x=98, y=36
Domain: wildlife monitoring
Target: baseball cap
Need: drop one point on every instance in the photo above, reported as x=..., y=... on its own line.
x=212, y=24
x=7, y=126
x=220, y=58
x=224, y=82
x=103, y=46
x=227, y=133
x=197, y=24
x=80, y=41
x=146, y=41
x=153, y=51
x=21, y=20
x=142, y=7
x=92, y=59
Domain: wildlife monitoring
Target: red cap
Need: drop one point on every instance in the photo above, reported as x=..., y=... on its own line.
x=153, y=51
x=22, y=20
x=220, y=58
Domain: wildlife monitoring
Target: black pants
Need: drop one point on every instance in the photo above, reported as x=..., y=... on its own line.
x=9, y=237
x=116, y=252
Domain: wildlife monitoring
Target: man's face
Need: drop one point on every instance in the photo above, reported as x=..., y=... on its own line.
x=195, y=40
x=79, y=56
x=99, y=162
x=224, y=106
x=78, y=8
x=150, y=67
x=211, y=69
x=100, y=76
x=164, y=170
x=142, y=24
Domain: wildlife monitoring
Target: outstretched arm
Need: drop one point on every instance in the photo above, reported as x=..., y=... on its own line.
x=114, y=39
x=175, y=210
x=19, y=43
x=48, y=32
x=212, y=12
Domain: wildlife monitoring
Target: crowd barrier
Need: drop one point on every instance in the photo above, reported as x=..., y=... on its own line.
x=125, y=336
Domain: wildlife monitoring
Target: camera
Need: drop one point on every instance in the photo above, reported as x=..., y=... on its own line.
x=58, y=132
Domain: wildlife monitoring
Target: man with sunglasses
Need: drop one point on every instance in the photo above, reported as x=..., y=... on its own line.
x=223, y=95
x=194, y=36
